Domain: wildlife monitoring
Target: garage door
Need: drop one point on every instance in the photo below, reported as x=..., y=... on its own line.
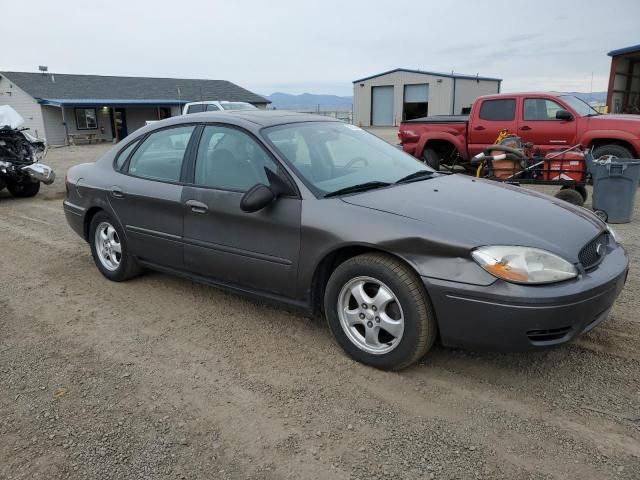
x=416, y=93
x=382, y=106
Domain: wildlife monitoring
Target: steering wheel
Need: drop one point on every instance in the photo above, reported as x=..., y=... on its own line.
x=356, y=160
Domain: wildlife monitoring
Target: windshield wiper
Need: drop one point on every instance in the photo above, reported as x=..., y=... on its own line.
x=361, y=187
x=419, y=175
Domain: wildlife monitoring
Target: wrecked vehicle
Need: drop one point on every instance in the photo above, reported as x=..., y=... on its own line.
x=20, y=153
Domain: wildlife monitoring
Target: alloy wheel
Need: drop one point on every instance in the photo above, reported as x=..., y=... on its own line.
x=370, y=315
x=108, y=246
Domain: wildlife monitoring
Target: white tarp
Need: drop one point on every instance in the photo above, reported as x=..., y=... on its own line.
x=8, y=116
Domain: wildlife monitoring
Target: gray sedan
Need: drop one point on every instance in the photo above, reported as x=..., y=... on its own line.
x=329, y=219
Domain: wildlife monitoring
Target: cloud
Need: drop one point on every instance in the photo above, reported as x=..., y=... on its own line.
x=320, y=45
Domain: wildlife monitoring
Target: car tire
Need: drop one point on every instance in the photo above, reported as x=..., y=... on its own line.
x=398, y=325
x=431, y=158
x=581, y=189
x=24, y=189
x=570, y=195
x=616, y=151
x=109, y=249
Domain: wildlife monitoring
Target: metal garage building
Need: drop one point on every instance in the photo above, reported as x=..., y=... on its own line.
x=390, y=97
x=624, y=80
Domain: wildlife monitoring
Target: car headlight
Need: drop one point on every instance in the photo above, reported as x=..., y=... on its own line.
x=523, y=264
x=613, y=234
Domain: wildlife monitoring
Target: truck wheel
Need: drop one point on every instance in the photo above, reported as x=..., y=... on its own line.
x=379, y=312
x=570, y=195
x=24, y=189
x=431, y=158
x=616, y=151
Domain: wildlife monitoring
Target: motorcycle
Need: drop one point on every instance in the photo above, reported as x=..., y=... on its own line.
x=20, y=153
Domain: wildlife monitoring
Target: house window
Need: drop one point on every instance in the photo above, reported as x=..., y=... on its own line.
x=86, y=119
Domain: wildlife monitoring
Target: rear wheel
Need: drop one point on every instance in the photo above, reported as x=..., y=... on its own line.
x=109, y=249
x=570, y=195
x=431, y=158
x=613, y=150
x=24, y=189
x=379, y=311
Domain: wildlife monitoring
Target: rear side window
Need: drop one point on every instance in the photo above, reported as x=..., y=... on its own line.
x=160, y=156
x=498, y=110
x=197, y=108
x=212, y=108
x=124, y=154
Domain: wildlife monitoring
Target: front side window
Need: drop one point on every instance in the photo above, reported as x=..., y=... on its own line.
x=331, y=156
x=540, y=109
x=229, y=159
x=502, y=110
x=161, y=154
x=86, y=119
x=124, y=154
x=212, y=108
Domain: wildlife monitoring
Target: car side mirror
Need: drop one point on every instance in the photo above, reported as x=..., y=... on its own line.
x=563, y=115
x=256, y=198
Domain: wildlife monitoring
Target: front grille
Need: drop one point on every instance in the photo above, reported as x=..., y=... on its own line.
x=594, y=251
x=548, y=335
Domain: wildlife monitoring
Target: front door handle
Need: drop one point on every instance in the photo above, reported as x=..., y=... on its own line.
x=116, y=192
x=525, y=127
x=479, y=127
x=197, y=207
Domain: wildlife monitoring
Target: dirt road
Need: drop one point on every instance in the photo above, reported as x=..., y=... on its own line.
x=161, y=378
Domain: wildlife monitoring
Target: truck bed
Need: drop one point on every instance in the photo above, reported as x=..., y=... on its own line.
x=440, y=119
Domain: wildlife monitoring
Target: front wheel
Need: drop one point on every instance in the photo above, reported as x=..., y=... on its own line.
x=23, y=189
x=109, y=249
x=612, y=150
x=379, y=311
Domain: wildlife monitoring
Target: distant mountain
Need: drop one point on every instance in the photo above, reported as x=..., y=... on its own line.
x=598, y=97
x=309, y=101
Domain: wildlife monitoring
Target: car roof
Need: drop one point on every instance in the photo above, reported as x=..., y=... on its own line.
x=524, y=94
x=208, y=102
x=249, y=118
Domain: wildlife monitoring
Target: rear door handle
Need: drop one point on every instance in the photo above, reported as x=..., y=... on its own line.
x=116, y=192
x=479, y=127
x=525, y=127
x=197, y=207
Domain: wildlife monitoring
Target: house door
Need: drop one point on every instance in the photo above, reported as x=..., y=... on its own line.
x=119, y=123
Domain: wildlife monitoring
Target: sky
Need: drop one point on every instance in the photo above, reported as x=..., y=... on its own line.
x=297, y=46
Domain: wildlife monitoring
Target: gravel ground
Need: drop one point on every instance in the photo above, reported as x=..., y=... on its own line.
x=160, y=378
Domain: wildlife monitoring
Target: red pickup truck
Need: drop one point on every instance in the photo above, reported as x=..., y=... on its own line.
x=548, y=120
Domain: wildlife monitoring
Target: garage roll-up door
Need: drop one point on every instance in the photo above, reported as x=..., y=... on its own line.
x=382, y=106
x=416, y=93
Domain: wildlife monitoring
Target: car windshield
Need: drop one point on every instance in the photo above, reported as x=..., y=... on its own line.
x=581, y=107
x=237, y=106
x=333, y=156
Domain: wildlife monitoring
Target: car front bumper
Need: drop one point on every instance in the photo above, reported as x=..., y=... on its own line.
x=509, y=317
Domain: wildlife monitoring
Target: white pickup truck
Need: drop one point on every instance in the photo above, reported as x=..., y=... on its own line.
x=215, y=106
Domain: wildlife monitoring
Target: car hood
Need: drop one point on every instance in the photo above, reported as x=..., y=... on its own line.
x=606, y=121
x=473, y=212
